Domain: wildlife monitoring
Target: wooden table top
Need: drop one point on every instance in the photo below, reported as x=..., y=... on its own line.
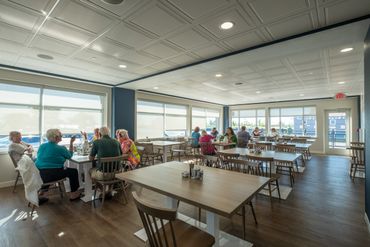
x=278, y=156
x=297, y=145
x=80, y=159
x=224, y=144
x=222, y=192
x=164, y=143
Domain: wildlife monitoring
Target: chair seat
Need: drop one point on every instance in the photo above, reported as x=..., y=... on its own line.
x=188, y=235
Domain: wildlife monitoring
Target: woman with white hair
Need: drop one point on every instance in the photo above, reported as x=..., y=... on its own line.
x=51, y=158
x=128, y=147
x=17, y=148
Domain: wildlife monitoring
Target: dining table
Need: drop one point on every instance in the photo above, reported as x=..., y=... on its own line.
x=220, y=192
x=165, y=146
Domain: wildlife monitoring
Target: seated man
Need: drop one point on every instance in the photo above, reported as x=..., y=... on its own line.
x=17, y=148
x=103, y=148
x=243, y=137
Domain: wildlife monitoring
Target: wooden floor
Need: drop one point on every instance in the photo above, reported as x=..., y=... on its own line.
x=325, y=208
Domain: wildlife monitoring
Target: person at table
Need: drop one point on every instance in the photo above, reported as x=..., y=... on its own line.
x=274, y=133
x=96, y=135
x=230, y=136
x=18, y=148
x=214, y=133
x=128, y=147
x=205, y=141
x=256, y=132
x=103, y=148
x=243, y=137
x=195, y=136
x=50, y=161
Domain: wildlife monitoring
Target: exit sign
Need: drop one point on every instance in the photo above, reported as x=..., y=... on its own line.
x=340, y=96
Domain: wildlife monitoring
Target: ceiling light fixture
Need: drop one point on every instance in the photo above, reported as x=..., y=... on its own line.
x=112, y=1
x=156, y=88
x=122, y=66
x=258, y=92
x=341, y=82
x=44, y=12
x=218, y=75
x=227, y=25
x=346, y=49
x=44, y=56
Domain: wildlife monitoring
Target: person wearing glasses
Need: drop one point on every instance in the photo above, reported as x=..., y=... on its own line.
x=50, y=161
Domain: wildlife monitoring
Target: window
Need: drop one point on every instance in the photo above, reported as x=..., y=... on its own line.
x=248, y=118
x=33, y=110
x=294, y=120
x=158, y=119
x=206, y=119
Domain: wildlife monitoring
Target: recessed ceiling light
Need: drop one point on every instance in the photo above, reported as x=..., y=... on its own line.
x=44, y=12
x=218, y=75
x=44, y=56
x=226, y=25
x=301, y=94
x=346, y=49
x=341, y=82
x=258, y=92
x=156, y=88
x=122, y=66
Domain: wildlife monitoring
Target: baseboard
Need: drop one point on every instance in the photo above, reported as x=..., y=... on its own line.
x=9, y=183
x=367, y=222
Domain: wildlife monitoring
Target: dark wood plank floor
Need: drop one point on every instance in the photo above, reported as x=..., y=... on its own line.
x=325, y=208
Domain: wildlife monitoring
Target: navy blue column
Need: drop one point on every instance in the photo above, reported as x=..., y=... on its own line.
x=226, y=118
x=123, y=110
x=367, y=122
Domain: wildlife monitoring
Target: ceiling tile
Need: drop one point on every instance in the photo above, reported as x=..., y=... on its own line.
x=162, y=50
x=14, y=34
x=53, y=45
x=183, y=59
x=140, y=58
x=157, y=20
x=196, y=8
x=344, y=10
x=291, y=26
x=18, y=18
x=128, y=35
x=119, y=9
x=268, y=10
x=233, y=15
x=71, y=12
x=244, y=40
x=189, y=39
x=209, y=51
x=35, y=5
x=109, y=47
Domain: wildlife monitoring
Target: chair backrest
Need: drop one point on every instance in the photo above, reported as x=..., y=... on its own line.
x=153, y=221
x=264, y=146
x=213, y=161
x=148, y=147
x=299, y=140
x=225, y=156
x=271, y=138
x=262, y=161
x=110, y=166
x=287, y=148
x=237, y=165
x=358, y=155
x=12, y=158
x=207, y=148
x=357, y=144
x=250, y=145
x=197, y=159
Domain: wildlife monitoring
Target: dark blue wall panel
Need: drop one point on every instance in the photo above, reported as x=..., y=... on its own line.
x=123, y=110
x=367, y=122
x=226, y=118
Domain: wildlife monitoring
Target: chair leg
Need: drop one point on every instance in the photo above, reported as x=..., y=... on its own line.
x=103, y=198
x=269, y=184
x=354, y=172
x=278, y=188
x=243, y=215
x=16, y=181
x=124, y=193
x=291, y=177
x=93, y=201
x=199, y=214
x=254, y=214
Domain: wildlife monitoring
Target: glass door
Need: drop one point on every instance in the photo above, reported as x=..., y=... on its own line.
x=337, y=131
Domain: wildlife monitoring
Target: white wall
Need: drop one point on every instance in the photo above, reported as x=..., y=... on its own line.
x=321, y=107
x=7, y=172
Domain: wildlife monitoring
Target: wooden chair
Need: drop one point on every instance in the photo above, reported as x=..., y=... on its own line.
x=207, y=148
x=109, y=166
x=250, y=145
x=299, y=140
x=148, y=154
x=181, y=150
x=357, y=144
x=268, y=162
x=264, y=146
x=212, y=161
x=286, y=168
x=245, y=166
x=357, y=161
x=163, y=229
x=18, y=174
x=197, y=159
x=223, y=157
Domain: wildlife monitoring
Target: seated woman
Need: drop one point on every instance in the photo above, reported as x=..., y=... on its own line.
x=230, y=135
x=128, y=147
x=17, y=148
x=256, y=132
x=50, y=162
x=206, y=146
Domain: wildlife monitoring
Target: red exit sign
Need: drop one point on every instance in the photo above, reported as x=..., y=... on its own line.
x=340, y=96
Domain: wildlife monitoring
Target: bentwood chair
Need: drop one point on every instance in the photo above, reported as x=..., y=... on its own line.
x=357, y=161
x=286, y=168
x=163, y=229
x=245, y=166
x=223, y=157
x=110, y=166
x=181, y=150
x=18, y=174
x=357, y=144
x=149, y=155
x=264, y=146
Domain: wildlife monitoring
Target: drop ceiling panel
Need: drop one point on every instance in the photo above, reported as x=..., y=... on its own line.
x=14, y=34
x=189, y=39
x=345, y=10
x=53, y=45
x=128, y=35
x=289, y=26
x=157, y=20
x=120, y=9
x=183, y=59
x=162, y=50
x=18, y=18
x=196, y=8
x=109, y=47
x=35, y=5
x=210, y=51
x=244, y=40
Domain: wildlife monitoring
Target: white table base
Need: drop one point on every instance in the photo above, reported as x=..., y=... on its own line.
x=165, y=149
x=87, y=185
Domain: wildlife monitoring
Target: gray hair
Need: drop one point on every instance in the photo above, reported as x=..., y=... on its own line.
x=104, y=131
x=13, y=134
x=123, y=133
x=52, y=134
